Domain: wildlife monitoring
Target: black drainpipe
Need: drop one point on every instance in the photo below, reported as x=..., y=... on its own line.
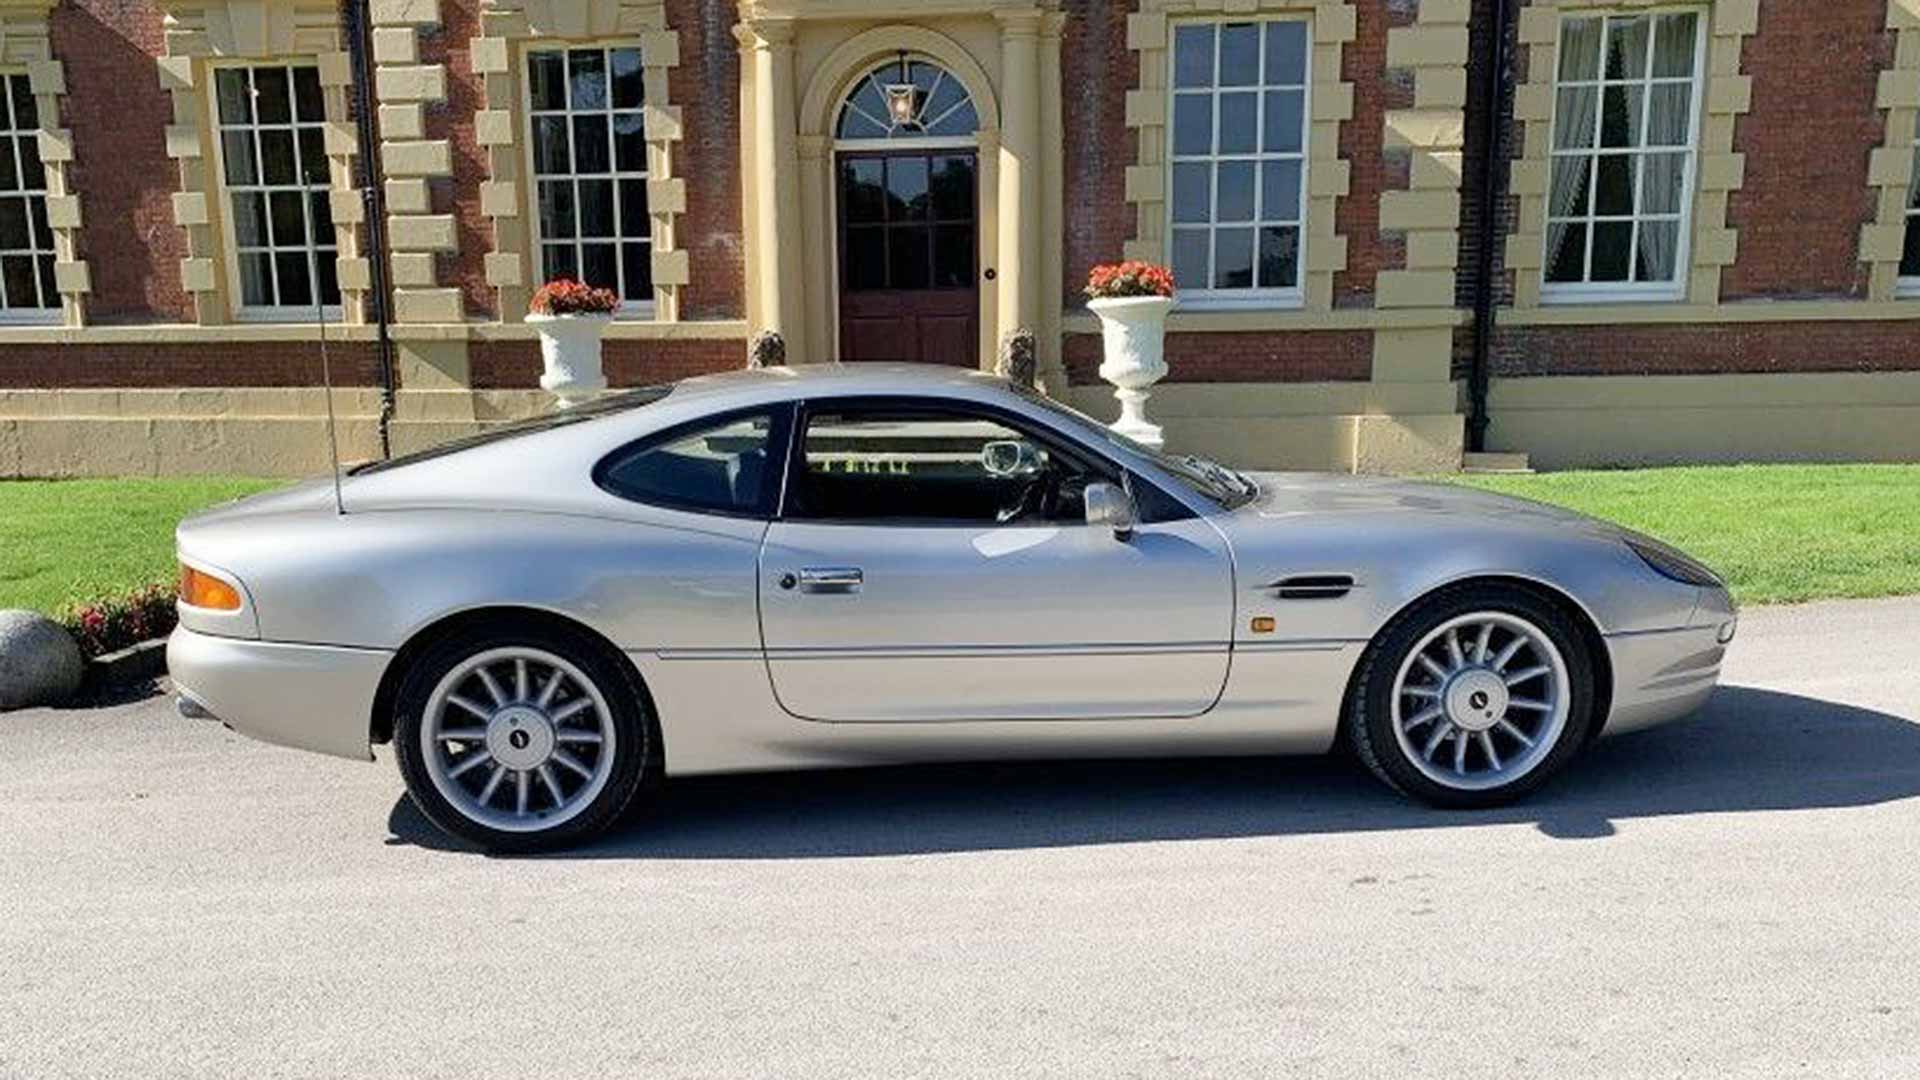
x=1495, y=86
x=373, y=198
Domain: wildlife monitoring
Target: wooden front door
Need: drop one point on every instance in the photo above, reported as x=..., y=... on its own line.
x=909, y=290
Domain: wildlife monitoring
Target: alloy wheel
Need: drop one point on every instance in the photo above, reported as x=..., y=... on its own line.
x=1481, y=701
x=518, y=739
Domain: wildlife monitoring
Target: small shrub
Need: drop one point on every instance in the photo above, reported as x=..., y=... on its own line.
x=1117, y=281
x=565, y=296
x=117, y=622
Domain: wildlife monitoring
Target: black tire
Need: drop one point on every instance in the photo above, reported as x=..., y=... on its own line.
x=1369, y=721
x=636, y=738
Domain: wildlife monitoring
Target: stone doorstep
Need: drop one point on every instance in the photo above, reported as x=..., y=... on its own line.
x=1495, y=463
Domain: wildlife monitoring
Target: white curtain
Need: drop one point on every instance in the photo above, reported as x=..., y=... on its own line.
x=1575, y=125
x=1669, y=123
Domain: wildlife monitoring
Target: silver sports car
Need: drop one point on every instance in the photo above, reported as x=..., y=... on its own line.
x=861, y=564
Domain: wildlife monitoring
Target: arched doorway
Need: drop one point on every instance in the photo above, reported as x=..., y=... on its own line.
x=907, y=209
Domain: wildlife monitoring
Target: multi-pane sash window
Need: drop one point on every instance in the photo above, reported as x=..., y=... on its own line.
x=26, y=244
x=273, y=157
x=1625, y=130
x=1236, y=190
x=590, y=169
x=1910, y=257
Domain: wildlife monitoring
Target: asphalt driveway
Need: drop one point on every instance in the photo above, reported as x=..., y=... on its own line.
x=1735, y=896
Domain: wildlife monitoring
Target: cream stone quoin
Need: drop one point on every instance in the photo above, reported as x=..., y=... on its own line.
x=1133, y=330
x=570, y=349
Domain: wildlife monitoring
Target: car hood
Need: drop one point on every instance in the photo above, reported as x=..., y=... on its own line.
x=1328, y=494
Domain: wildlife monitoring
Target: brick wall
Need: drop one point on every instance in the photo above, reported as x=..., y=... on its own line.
x=1707, y=350
x=119, y=117
x=515, y=365
x=1305, y=356
x=136, y=366
x=1815, y=68
x=452, y=119
x=706, y=87
x=1370, y=170
x=1096, y=71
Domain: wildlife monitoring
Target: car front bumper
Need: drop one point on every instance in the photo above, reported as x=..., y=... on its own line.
x=310, y=697
x=1668, y=674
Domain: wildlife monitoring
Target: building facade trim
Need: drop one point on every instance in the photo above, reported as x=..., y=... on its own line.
x=507, y=29
x=199, y=34
x=1890, y=171
x=1719, y=170
x=1332, y=24
x=26, y=48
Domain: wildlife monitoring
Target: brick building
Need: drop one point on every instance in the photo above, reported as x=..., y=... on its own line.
x=1696, y=247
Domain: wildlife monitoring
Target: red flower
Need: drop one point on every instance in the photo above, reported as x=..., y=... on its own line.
x=565, y=296
x=1131, y=278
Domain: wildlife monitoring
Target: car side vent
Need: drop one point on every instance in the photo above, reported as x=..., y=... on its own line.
x=1314, y=587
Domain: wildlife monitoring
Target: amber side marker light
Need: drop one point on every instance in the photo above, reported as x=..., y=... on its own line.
x=203, y=590
x=1263, y=624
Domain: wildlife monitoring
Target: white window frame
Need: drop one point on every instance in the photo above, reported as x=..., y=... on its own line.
x=1907, y=287
x=10, y=314
x=1210, y=298
x=230, y=240
x=634, y=310
x=1606, y=292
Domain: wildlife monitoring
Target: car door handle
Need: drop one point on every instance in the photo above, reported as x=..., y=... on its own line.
x=830, y=579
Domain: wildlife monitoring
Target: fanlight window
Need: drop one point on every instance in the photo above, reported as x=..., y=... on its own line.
x=906, y=99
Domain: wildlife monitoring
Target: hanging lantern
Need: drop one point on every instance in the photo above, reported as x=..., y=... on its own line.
x=902, y=98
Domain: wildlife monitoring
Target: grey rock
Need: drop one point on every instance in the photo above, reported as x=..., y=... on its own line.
x=40, y=663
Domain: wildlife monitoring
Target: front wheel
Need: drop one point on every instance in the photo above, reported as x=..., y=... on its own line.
x=1473, y=697
x=521, y=739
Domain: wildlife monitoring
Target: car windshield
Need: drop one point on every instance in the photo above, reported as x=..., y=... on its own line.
x=591, y=410
x=1205, y=477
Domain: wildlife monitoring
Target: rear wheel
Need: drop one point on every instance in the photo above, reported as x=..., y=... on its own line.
x=521, y=739
x=1473, y=697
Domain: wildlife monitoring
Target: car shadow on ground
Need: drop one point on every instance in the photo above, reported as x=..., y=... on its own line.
x=1747, y=750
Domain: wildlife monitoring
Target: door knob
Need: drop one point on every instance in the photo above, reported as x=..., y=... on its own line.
x=823, y=579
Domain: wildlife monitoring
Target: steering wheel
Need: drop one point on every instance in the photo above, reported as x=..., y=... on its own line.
x=1036, y=500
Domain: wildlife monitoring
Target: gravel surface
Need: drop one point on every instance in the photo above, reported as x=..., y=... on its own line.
x=1734, y=896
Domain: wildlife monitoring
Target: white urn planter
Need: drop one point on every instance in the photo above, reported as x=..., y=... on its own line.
x=570, y=349
x=1133, y=330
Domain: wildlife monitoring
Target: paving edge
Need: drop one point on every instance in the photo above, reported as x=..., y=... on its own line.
x=136, y=663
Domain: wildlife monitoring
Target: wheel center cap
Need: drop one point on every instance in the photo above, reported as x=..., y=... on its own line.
x=520, y=737
x=1476, y=699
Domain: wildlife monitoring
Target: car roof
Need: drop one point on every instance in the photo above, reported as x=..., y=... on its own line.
x=860, y=377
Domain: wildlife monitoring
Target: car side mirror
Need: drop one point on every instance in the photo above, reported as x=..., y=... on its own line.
x=1111, y=505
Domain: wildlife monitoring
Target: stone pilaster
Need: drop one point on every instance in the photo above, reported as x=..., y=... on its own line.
x=1433, y=135
x=1890, y=171
x=410, y=160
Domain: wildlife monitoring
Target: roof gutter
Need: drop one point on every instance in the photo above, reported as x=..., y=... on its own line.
x=356, y=22
x=1496, y=86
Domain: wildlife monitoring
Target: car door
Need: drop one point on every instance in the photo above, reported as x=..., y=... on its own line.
x=932, y=562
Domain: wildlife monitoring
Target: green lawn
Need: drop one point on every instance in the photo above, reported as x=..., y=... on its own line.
x=64, y=542
x=1777, y=533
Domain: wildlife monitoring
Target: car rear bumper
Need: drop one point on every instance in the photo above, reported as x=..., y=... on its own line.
x=310, y=697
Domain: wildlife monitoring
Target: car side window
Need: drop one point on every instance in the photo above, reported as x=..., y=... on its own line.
x=725, y=468
x=923, y=466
